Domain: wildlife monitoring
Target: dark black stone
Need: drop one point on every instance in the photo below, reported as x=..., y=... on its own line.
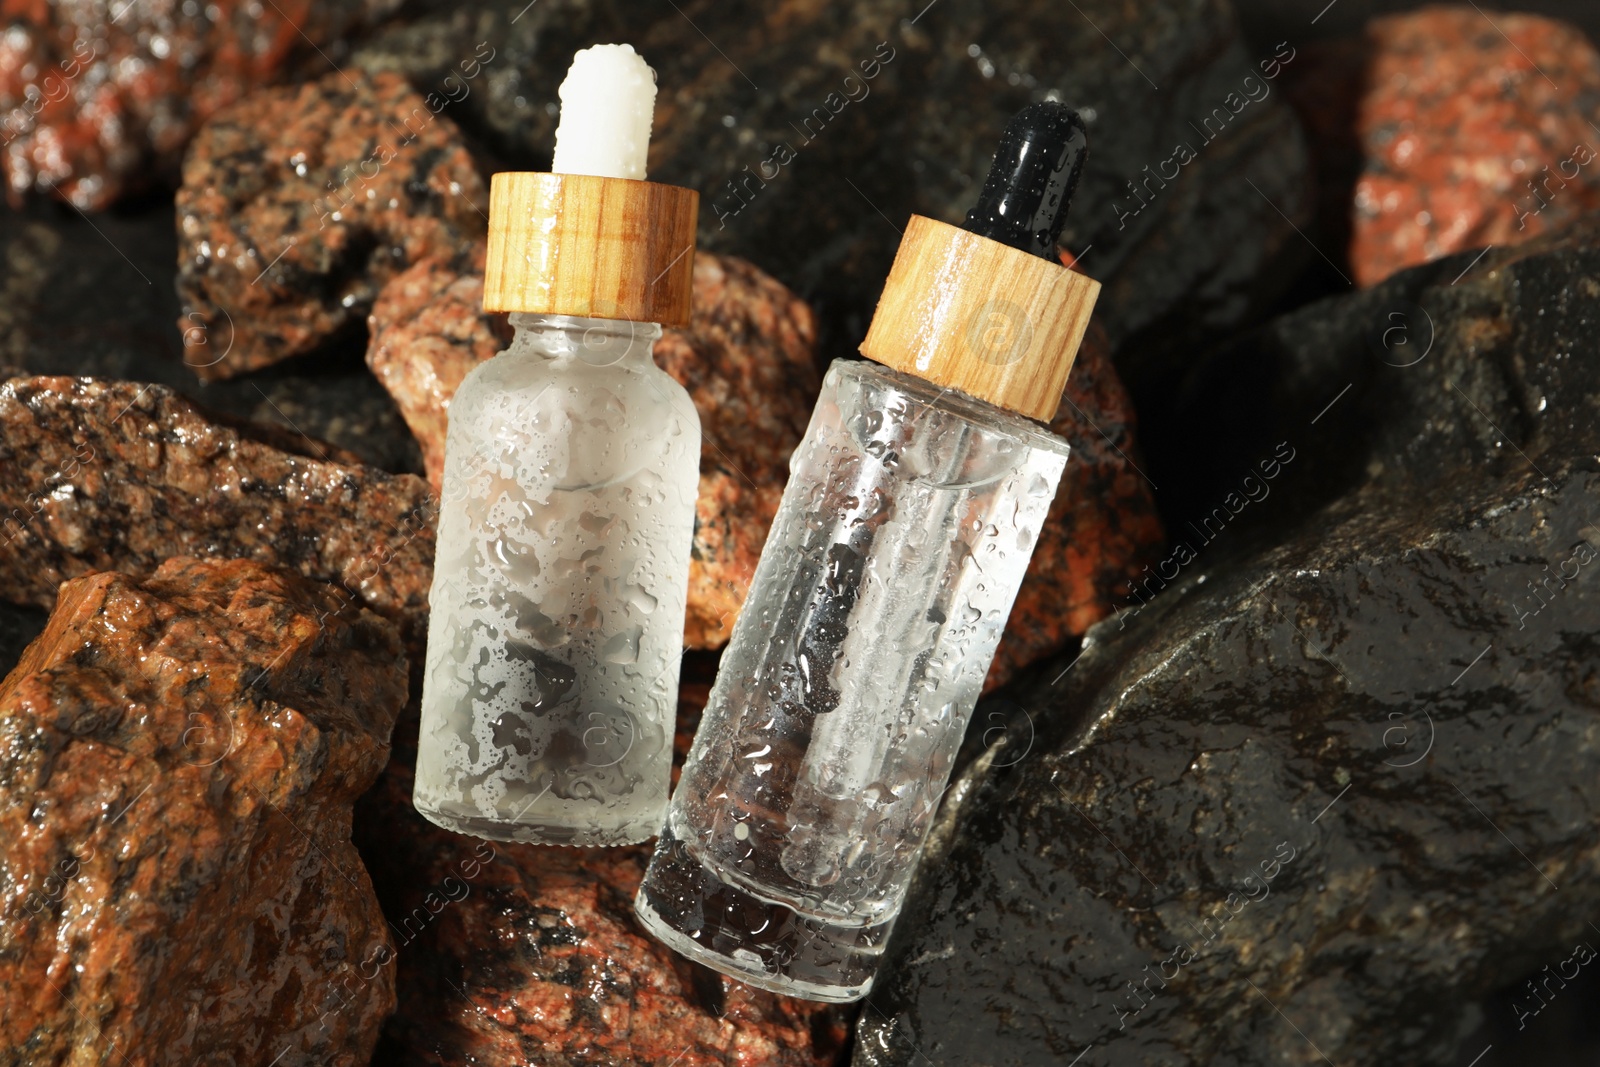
x=18, y=627
x=1205, y=256
x=1378, y=690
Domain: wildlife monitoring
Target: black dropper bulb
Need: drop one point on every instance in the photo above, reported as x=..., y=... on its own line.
x=1030, y=183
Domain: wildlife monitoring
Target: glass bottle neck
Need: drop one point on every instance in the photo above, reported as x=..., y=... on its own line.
x=916, y=400
x=596, y=342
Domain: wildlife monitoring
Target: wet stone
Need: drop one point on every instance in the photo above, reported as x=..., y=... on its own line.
x=813, y=132
x=178, y=759
x=99, y=100
x=57, y=262
x=748, y=358
x=428, y=329
x=1446, y=129
x=527, y=954
x=297, y=205
x=114, y=475
x=1370, y=719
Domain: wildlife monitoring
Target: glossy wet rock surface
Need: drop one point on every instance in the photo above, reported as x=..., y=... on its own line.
x=749, y=360
x=1325, y=792
x=297, y=205
x=120, y=476
x=121, y=264
x=1448, y=129
x=527, y=954
x=1395, y=547
x=180, y=755
x=100, y=99
x=426, y=331
x=812, y=175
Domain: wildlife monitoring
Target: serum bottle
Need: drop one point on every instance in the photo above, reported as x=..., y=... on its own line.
x=912, y=508
x=567, y=511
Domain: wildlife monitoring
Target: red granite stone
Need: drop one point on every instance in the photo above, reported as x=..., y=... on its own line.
x=299, y=203
x=178, y=759
x=99, y=99
x=118, y=476
x=748, y=359
x=427, y=330
x=1472, y=127
x=522, y=954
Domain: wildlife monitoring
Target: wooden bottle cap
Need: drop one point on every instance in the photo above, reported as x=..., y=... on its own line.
x=968, y=313
x=576, y=244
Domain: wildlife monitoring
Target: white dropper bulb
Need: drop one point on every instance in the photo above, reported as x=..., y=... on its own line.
x=607, y=103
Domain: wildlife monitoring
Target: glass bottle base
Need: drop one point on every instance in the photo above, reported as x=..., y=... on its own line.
x=711, y=920
x=537, y=831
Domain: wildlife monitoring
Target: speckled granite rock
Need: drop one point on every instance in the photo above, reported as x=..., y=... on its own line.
x=1318, y=797
x=179, y=755
x=113, y=475
x=100, y=98
x=813, y=131
x=531, y=955
x=1468, y=129
x=299, y=203
x=54, y=263
x=1103, y=529
x=428, y=329
x=748, y=358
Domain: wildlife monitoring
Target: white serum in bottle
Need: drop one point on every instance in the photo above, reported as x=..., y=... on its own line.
x=567, y=512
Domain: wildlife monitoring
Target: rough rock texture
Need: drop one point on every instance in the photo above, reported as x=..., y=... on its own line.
x=811, y=175
x=97, y=99
x=299, y=203
x=748, y=359
x=1459, y=128
x=54, y=263
x=1103, y=529
x=1392, y=713
x=531, y=955
x=178, y=760
x=113, y=475
x=428, y=329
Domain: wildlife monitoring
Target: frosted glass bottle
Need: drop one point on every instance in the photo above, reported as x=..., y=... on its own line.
x=904, y=533
x=572, y=463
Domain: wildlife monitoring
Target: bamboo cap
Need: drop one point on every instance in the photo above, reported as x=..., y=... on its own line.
x=987, y=308
x=968, y=313
x=579, y=244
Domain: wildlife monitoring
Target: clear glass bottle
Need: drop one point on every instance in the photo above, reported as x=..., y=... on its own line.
x=903, y=535
x=571, y=467
x=913, y=505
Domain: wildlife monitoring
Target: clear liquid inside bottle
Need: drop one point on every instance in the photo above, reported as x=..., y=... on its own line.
x=881, y=595
x=555, y=637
